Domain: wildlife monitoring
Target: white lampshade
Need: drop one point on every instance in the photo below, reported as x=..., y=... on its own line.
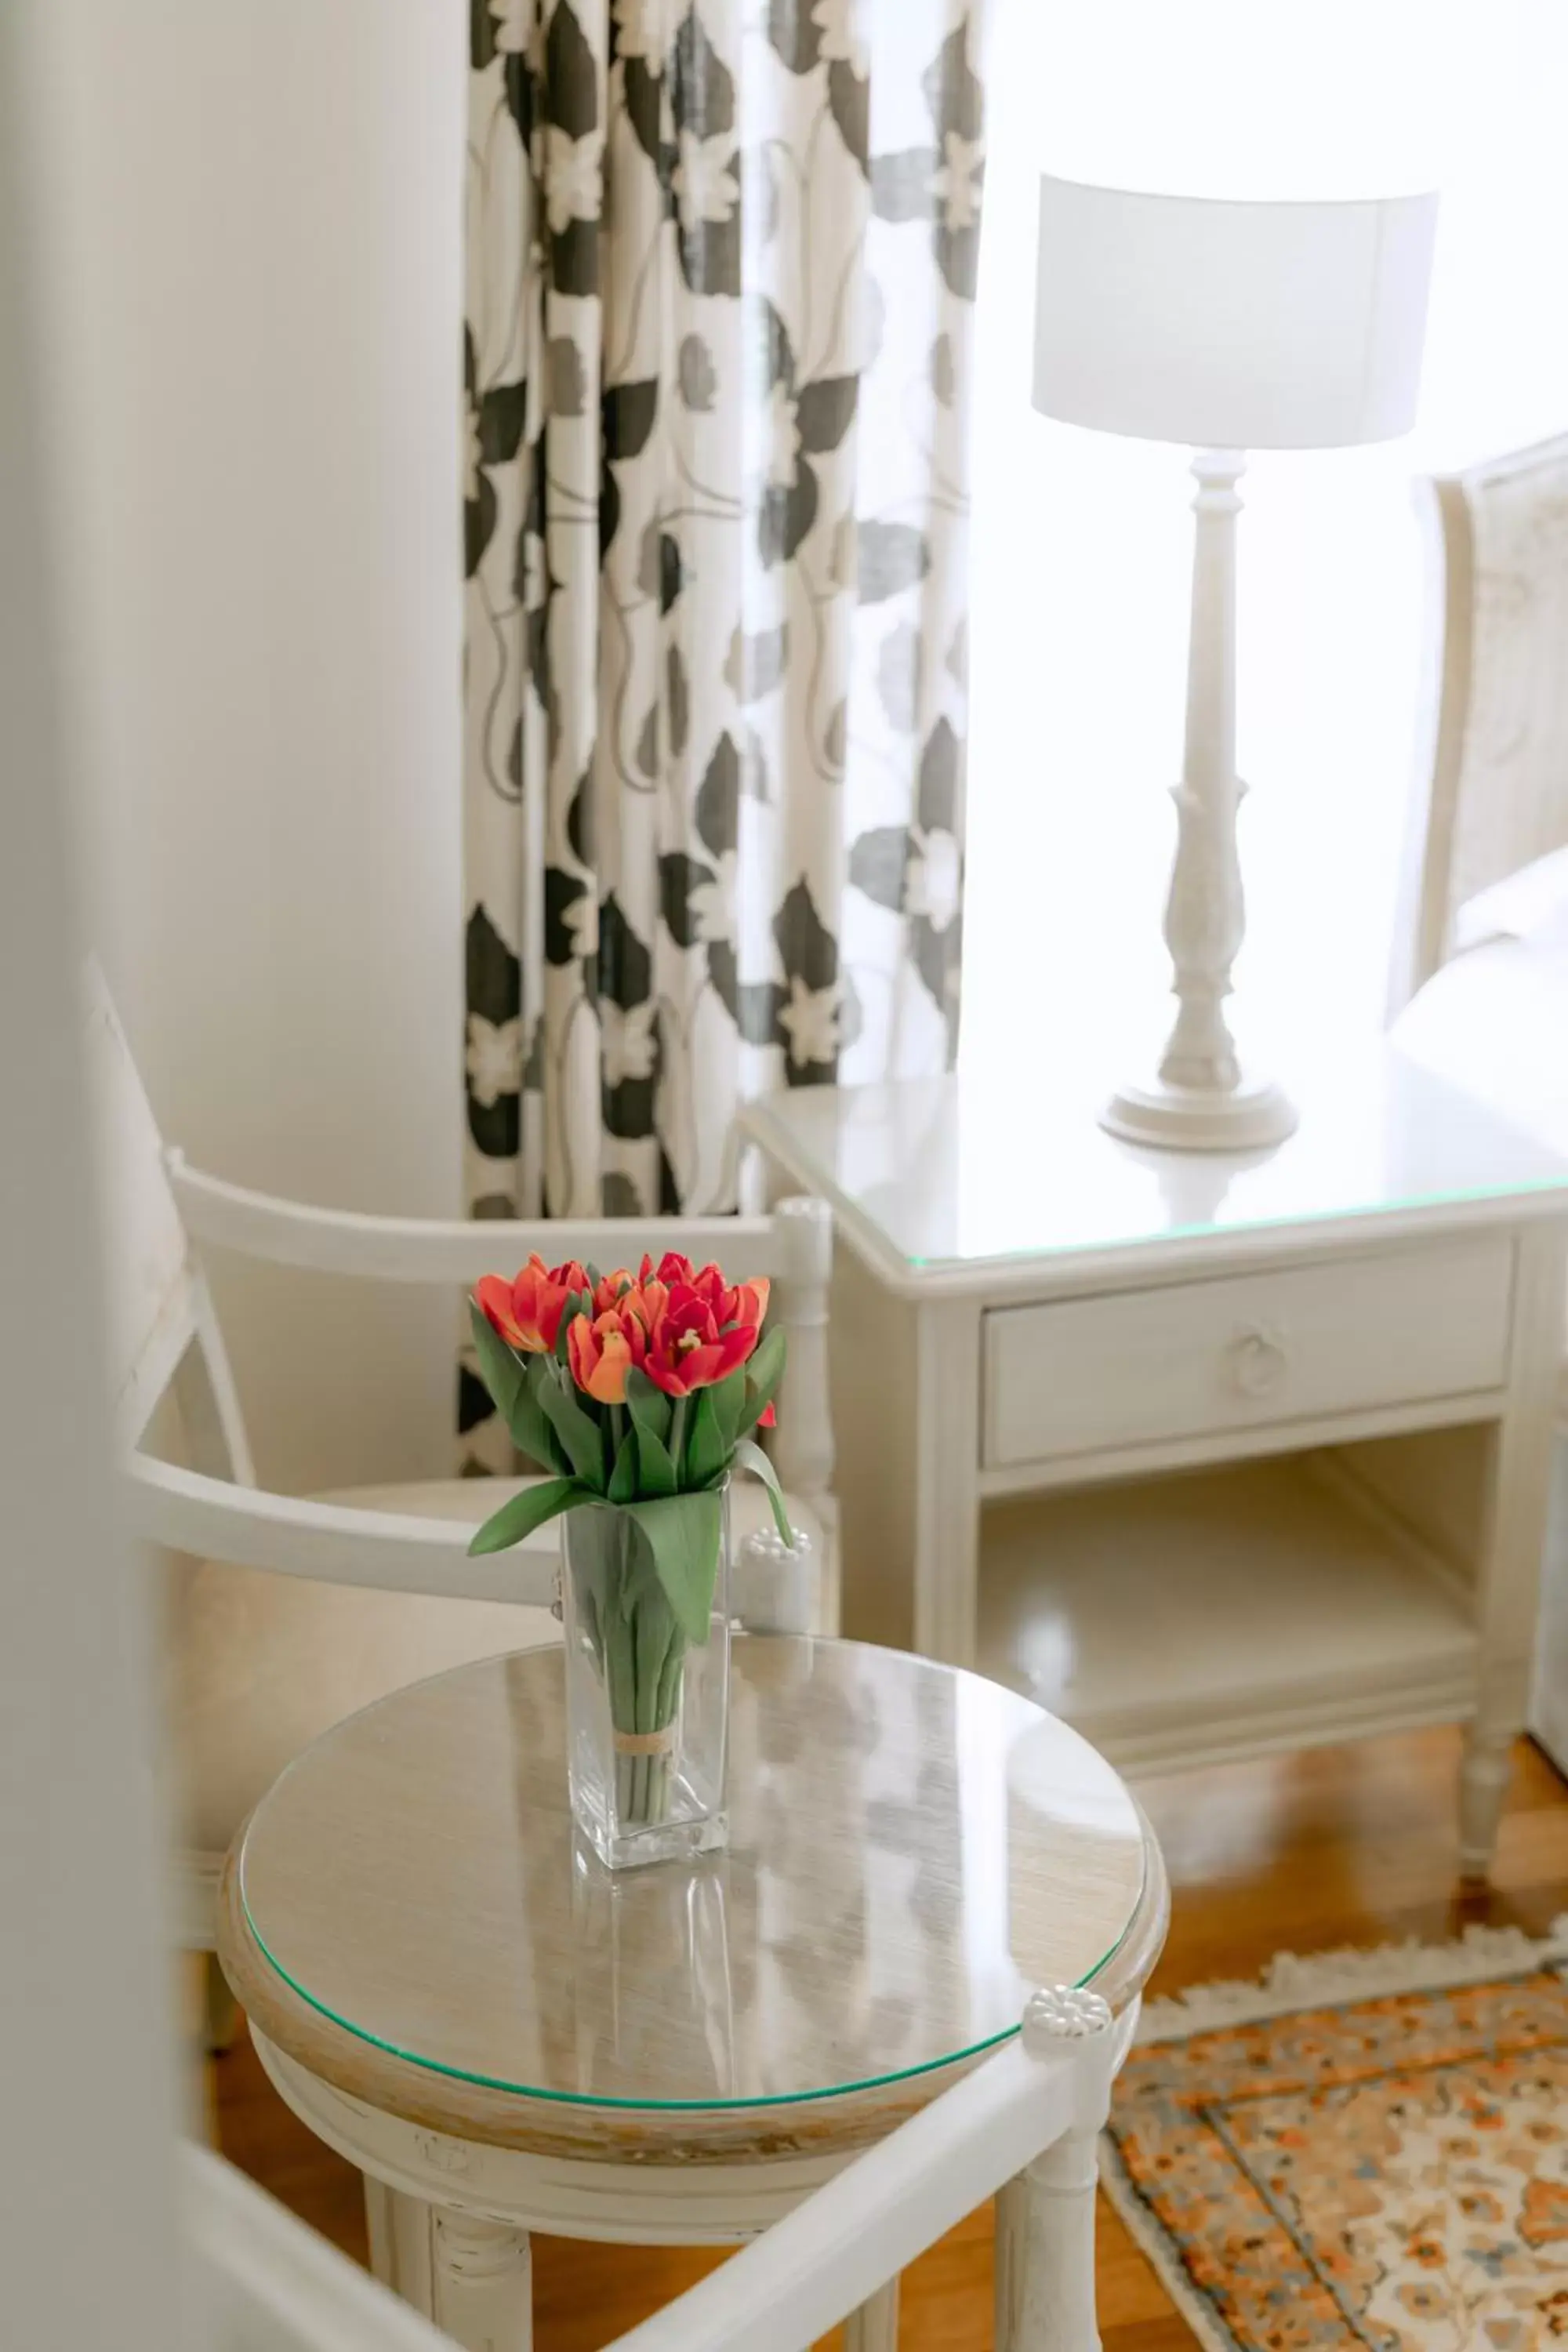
x=1231, y=325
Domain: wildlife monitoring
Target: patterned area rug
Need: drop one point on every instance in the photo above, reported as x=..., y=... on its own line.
x=1363, y=2148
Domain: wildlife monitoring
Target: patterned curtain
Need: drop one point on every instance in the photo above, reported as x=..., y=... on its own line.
x=721, y=270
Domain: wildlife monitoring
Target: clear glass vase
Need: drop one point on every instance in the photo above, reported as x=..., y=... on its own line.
x=647, y=1712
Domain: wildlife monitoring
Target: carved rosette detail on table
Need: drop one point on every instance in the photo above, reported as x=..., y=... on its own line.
x=442, y=2154
x=1058, y=2013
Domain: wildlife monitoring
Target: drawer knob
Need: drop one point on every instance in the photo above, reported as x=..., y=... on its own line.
x=1258, y=1360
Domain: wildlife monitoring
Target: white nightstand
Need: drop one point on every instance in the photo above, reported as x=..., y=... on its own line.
x=1212, y=1456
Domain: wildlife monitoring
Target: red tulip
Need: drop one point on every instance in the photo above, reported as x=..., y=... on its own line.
x=671, y=1268
x=687, y=1346
x=745, y=1302
x=527, y=1313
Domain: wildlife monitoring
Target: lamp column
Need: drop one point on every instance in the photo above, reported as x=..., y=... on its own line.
x=1202, y=1099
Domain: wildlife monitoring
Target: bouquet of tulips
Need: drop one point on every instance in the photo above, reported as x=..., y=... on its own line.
x=638, y=1393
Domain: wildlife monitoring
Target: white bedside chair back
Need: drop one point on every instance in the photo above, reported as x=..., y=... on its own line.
x=1491, y=793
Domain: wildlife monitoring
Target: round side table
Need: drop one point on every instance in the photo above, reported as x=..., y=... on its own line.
x=505, y=2037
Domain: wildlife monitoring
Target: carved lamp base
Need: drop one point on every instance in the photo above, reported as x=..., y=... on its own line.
x=1244, y=1117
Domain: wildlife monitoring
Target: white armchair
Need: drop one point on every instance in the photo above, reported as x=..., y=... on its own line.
x=288, y=1613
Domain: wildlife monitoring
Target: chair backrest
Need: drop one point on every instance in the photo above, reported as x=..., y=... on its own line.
x=1492, y=791
x=163, y=1331
x=159, y=1214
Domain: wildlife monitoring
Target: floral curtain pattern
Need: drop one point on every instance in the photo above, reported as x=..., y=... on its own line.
x=721, y=270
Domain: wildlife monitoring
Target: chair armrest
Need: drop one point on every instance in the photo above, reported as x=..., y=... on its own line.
x=456, y=1250
x=294, y=1536
x=262, y=2278
x=871, y=2220
x=268, y=2279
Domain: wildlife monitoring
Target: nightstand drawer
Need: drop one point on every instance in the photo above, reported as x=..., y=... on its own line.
x=1336, y=1337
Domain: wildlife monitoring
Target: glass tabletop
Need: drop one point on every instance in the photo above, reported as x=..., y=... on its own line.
x=912, y=1850
x=969, y=1169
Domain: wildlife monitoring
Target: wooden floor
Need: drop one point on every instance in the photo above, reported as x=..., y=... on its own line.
x=1351, y=1845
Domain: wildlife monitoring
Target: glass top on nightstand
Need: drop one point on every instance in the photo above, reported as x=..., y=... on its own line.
x=930, y=1176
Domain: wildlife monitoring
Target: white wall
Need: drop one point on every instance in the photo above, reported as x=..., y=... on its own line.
x=258, y=311
x=87, y=2220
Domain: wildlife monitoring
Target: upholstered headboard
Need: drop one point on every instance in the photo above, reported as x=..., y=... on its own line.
x=1494, y=794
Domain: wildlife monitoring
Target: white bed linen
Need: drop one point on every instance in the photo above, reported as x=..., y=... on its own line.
x=1530, y=904
x=1494, y=1022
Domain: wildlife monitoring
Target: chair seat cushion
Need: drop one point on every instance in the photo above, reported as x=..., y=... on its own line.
x=263, y=1665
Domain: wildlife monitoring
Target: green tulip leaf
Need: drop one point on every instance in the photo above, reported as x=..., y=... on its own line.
x=683, y=1533
x=656, y=1464
x=706, y=1450
x=500, y=1368
x=579, y=1433
x=623, y=1480
x=517, y=1517
x=511, y=1379
x=679, y=1422
x=730, y=1405
x=649, y=1406
x=763, y=1373
x=748, y=1455
x=655, y=1633
x=531, y=1431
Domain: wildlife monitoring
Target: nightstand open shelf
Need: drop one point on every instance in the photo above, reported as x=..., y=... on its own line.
x=1185, y=1619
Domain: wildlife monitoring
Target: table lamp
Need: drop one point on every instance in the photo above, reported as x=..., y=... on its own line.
x=1229, y=326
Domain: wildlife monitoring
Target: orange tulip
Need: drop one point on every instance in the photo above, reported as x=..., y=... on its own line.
x=612, y=1288
x=600, y=1350
x=527, y=1312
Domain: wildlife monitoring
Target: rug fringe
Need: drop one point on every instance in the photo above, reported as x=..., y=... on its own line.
x=1320, y=1980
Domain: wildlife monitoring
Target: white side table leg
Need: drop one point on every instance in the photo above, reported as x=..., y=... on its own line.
x=400, y=2243
x=1484, y=1776
x=875, y=2327
x=1044, y=2251
x=483, y=2282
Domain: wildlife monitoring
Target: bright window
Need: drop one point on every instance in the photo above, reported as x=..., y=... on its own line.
x=1082, y=542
